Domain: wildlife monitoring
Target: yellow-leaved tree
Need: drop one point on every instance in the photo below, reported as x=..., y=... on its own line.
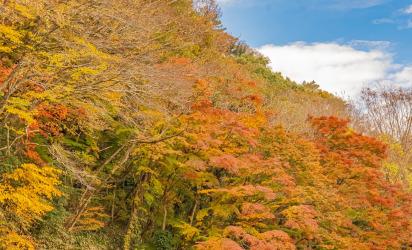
x=24, y=198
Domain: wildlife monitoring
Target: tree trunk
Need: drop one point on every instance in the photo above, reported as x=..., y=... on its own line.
x=130, y=232
x=192, y=217
x=164, y=218
x=131, y=235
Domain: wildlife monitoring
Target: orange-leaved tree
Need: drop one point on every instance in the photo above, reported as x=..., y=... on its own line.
x=364, y=210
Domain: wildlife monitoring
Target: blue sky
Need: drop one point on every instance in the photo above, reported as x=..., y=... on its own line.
x=351, y=43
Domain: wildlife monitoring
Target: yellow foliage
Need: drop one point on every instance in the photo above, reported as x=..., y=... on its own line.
x=391, y=168
x=9, y=38
x=20, y=107
x=410, y=181
x=24, y=11
x=26, y=116
x=91, y=49
x=188, y=231
x=92, y=219
x=10, y=240
x=256, y=120
x=25, y=192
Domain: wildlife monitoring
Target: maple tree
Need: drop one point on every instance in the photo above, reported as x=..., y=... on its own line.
x=143, y=124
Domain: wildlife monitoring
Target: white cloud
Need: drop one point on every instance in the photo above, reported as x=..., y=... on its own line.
x=342, y=69
x=355, y=4
x=409, y=24
x=368, y=45
x=401, y=18
x=225, y=1
x=328, y=4
x=228, y=2
x=408, y=10
x=404, y=76
x=383, y=21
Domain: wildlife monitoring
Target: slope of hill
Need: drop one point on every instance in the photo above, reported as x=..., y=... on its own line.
x=143, y=125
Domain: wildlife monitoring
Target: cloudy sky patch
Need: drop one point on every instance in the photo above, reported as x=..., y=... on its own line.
x=342, y=69
x=341, y=44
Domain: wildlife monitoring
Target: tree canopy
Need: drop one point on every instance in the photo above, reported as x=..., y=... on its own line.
x=144, y=125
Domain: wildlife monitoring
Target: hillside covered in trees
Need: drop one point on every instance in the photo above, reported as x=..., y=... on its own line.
x=142, y=124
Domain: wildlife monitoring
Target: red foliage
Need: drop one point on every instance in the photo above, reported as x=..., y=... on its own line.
x=327, y=191
x=4, y=73
x=270, y=240
x=33, y=155
x=256, y=211
x=352, y=163
x=51, y=118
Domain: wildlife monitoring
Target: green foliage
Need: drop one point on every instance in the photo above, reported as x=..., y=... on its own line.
x=163, y=240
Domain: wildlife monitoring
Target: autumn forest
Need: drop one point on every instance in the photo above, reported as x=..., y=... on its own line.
x=142, y=124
